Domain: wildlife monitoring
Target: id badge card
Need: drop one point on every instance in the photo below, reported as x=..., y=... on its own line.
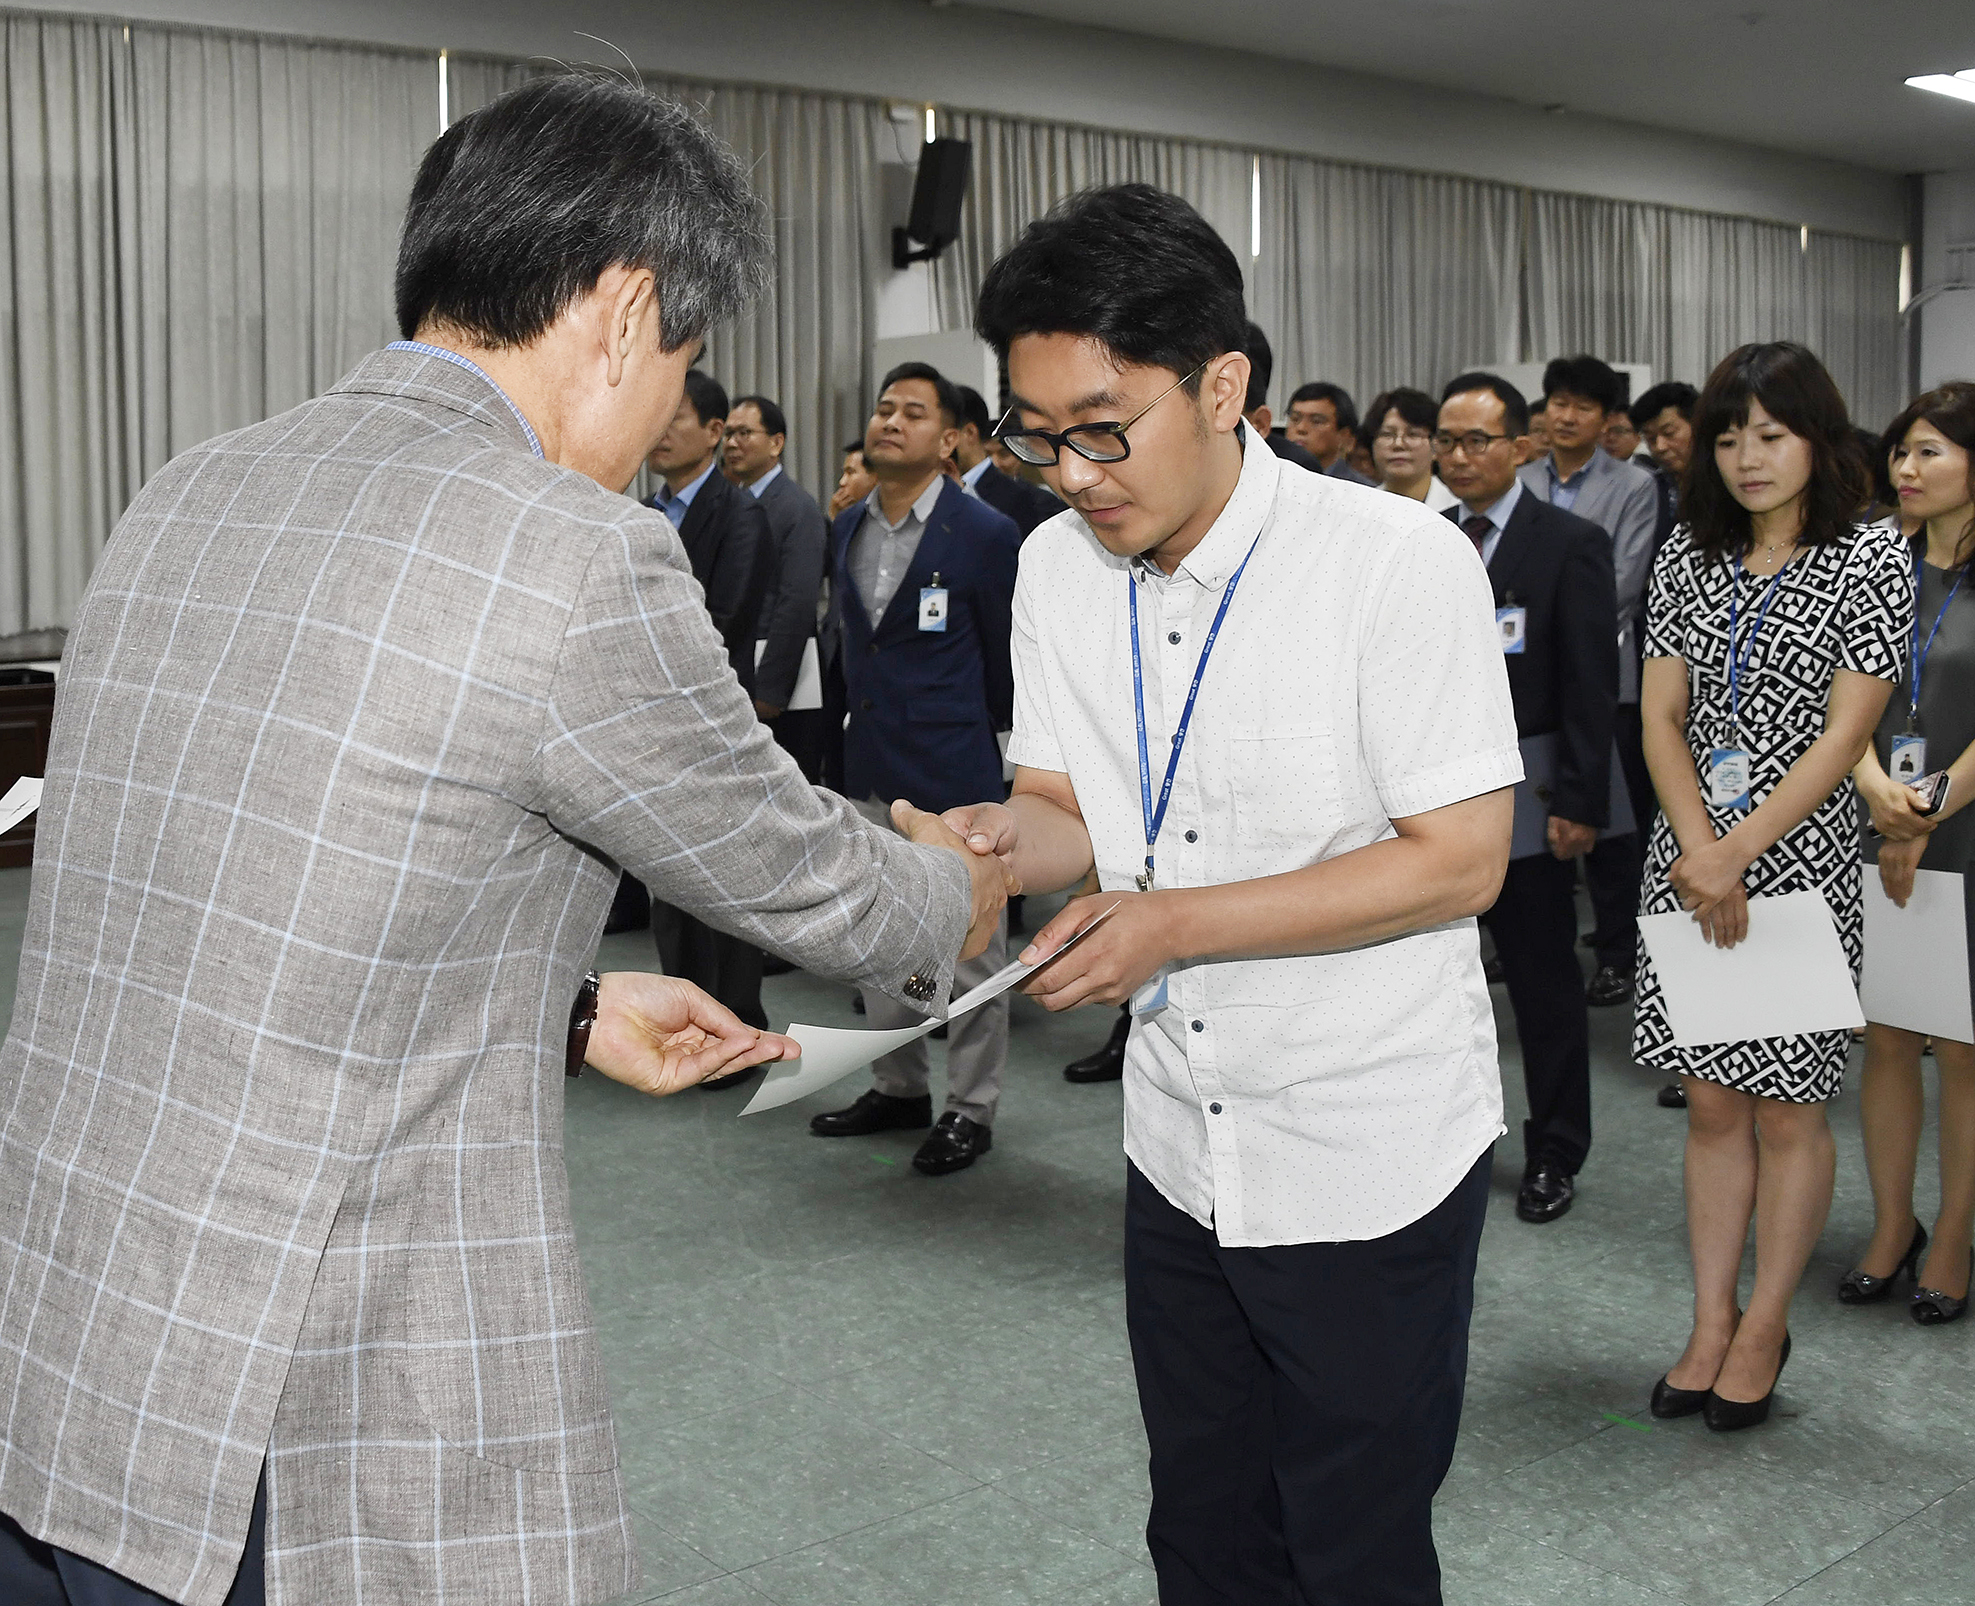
x=932, y=607
x=1909, y=759
x=1151, y=998
x=1728, y=778
x=1513, y=626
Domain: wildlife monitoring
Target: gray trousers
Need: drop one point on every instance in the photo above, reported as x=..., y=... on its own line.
x=977, y=1043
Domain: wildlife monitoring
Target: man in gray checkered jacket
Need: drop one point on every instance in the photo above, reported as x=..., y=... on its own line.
x=364, y=709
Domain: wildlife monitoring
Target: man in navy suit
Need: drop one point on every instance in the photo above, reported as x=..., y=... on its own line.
x=1028, y=504
x=1556, y=608
x=925, y=581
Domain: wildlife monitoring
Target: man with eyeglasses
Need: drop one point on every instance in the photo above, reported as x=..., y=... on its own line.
x=1557, y=612
x=1269, y=708
x=785, y=653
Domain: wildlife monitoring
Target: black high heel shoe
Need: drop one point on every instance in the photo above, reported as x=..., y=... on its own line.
x=1669, y=1402
x=1862, y=1288
x=1932, y=1308
x=1729, y=1416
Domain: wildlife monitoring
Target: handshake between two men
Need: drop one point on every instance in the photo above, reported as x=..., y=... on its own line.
x=660, y=1034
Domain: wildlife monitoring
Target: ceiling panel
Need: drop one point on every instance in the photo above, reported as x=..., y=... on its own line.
x=1819, y=77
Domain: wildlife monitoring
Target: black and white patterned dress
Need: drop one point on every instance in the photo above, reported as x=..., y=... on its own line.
x=1848, y=605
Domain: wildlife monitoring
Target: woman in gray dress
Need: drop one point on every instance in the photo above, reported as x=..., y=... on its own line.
x=1933, y=461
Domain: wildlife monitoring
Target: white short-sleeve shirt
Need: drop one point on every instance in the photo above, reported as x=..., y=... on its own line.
x=1356, y=680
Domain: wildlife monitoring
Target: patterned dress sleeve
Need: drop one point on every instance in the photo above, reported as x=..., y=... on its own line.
x=1875, y=616
x=1667, y=597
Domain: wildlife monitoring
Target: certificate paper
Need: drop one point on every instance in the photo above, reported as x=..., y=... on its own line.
x=830, y=1053
x=1916, y=958
x=22, y=799
x=1787, y=977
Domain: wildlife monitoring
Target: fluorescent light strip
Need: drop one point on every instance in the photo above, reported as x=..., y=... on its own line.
x=1960, y=85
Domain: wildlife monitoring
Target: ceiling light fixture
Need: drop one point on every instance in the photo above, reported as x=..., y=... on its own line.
x=1960, y=85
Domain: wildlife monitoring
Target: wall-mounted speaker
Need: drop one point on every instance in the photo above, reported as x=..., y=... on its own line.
x=938, y=190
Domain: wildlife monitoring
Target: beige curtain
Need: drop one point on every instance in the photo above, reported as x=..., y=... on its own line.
x=1370, y=278
x=1022, y=169
x=200, y=232
x=1853, y=287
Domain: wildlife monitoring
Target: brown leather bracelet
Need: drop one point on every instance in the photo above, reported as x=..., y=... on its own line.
x=582, y=1016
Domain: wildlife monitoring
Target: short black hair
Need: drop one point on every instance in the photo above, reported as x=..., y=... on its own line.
x=1414, y=406
x=772, y=418
x=1129, y=266
x=1515, y=405
x=973, y=410
x=1596, y=380
x=1338, y=397
x=1261, y=367
x=521, y=206
x=707, y=394
x=1674, y=393
x=854, y=446
x=949, y=398
x=1797, y=391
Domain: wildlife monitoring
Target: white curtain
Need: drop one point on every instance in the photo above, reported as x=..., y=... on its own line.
x=1854, y=292
x=200, y=230
x=1021, y=169
x=1371, y=278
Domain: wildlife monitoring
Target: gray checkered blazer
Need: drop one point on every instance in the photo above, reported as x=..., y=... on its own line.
x=361, y=707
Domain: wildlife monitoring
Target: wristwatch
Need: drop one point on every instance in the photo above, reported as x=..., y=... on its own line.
x=582, y=1016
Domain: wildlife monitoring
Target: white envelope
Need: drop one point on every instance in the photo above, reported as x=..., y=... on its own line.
x=1916, y=958
x=1789, y=976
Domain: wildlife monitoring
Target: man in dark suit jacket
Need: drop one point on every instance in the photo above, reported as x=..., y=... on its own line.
x=1556, y=604
x=726, y=536
x=1255, y=408
x=1027, y=504
x=785, y=633
x=925, y=583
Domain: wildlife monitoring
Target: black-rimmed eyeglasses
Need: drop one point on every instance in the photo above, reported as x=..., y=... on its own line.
x=1098, y=443
x=1473, y=443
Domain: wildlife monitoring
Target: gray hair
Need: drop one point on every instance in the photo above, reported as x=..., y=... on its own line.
x=521, y=206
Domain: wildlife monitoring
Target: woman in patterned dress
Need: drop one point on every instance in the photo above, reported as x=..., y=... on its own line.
x=1934, y=469
x=1820, y=607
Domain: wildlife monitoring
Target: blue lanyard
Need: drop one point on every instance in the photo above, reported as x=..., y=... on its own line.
x=1919, y=652
x=1738, y=661
x=1156, y=818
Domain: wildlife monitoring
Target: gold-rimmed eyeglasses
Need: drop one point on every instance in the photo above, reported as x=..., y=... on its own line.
x=1098, y=443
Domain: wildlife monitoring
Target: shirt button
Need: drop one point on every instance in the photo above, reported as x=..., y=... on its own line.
x=1173, y=636
x=1193, y=836
x=1213, y=1109
x=1200, y=1026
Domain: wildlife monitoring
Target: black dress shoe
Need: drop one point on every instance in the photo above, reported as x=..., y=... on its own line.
x=1932, y=1308
x=1862, y=1288
x=875, y=1112
x=1547, y=1192
x=1730, y=1416
x=1669, y=1402
x=713, y=1084
x=857, y=1003
x=954, y=1144
x=1108, y=1063
x=1671, y=1097
x=1610, y=986
x=775, y=965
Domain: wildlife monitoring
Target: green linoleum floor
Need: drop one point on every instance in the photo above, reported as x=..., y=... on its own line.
x=839, y=1383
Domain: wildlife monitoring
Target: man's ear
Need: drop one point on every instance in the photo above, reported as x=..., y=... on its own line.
x=630, y=316
x=949, y=442
x=1226, y=383
x=1262, y=419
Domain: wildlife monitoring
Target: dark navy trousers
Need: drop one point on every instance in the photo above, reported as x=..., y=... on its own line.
x=1301, y=1402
